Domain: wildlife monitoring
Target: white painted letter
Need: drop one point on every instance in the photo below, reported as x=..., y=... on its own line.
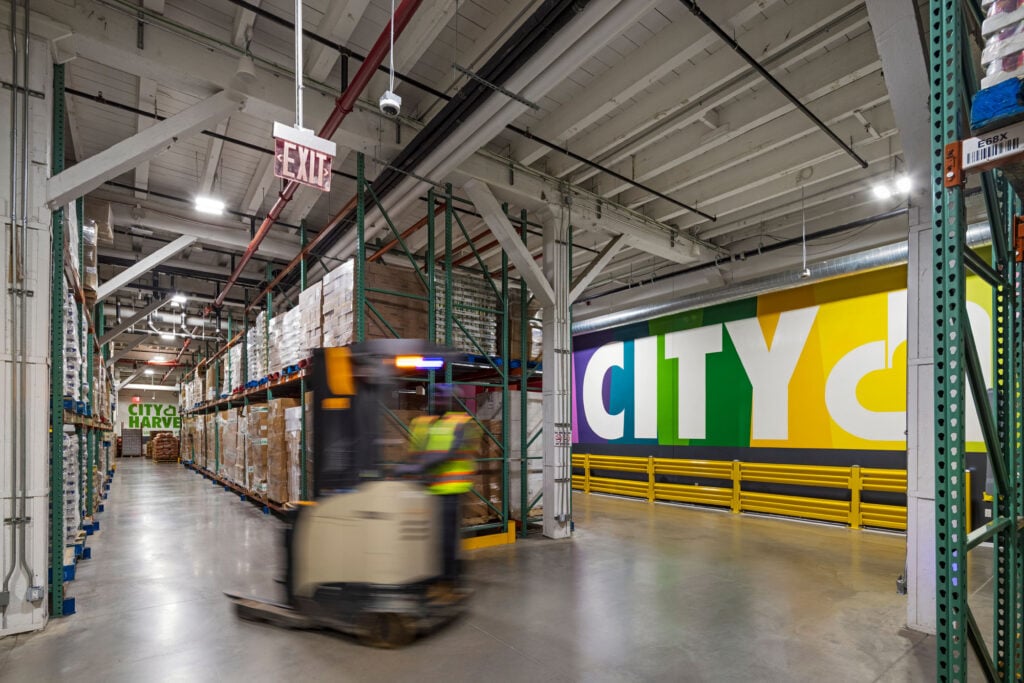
x=770, y=370
x=603, y=423
x=645, y=388
x=691, y=347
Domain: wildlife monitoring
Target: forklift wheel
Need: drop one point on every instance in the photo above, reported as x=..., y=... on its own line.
x=387, y=630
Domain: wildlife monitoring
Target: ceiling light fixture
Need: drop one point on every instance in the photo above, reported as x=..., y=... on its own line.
x=903, y=184
x=147, y=372
x=179, y=299
x=159, y=359
x=167, y=337
x=881, y=191
x=209, y=205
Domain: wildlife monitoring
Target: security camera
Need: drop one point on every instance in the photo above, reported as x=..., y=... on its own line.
x=390, y=103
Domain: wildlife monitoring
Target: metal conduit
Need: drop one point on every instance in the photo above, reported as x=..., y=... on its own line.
x=872, y=259
x=23, y=296
x=342, y=107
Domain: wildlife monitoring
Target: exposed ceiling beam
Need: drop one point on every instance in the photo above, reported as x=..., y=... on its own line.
x=848, y=63
x=134, y=320
x=594, y=268
x=129, y=346
x=91, y=173
x=241, y=30
x=147, y=264
x=214, y=145
x=668, y=50
x=146, y=102
x=124, y=383
x=510, y=240
x=719, y=78
x=898, y=38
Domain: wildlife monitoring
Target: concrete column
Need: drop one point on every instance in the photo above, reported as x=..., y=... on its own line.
x=920, y=569
x=24, y=399
x=557, y=380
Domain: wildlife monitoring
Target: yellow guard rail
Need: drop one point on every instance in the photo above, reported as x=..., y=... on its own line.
x=731, y=495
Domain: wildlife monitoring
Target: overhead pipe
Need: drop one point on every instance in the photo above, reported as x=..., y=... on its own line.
x=724, y=36
x=420, y=85
x=342, y=107
x=873, y=259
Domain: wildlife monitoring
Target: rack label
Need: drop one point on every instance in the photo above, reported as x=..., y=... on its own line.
x=986, y=151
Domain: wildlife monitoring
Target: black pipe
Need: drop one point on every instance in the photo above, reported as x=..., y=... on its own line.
x=775, y=246
x=406, y=78
x=111, y=260
x=756, y=65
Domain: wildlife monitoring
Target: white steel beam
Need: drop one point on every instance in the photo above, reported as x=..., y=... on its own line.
x=790, y=38
x=213, y=149
x=147, y=102
x=847, y=64
x=338, y=24
x=150, y=387
x=594, y=267
x=670, y=49
x=241, y=30
x=208, y=233
x=123, y=383
x=256, y=193
x=116, y=331
x=127, y=154
x=510, y=240
x=130, y=346
x=144, y=266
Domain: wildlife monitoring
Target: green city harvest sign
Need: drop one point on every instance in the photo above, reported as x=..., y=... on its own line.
x=153, y=416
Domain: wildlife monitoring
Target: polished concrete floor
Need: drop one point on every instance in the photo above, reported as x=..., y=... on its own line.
x=642, y=593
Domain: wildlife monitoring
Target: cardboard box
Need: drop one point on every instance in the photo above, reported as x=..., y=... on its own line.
x=277, y=469
x=254, y=469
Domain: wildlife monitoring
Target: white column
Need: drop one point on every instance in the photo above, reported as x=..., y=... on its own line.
x=28, y=406
x=557, y=380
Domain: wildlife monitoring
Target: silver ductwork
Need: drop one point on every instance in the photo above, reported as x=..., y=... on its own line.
x=872, y=259
x=171, y=318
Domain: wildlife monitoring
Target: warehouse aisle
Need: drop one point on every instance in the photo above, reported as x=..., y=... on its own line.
x=643, y=593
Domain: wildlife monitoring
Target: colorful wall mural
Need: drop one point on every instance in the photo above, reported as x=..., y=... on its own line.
x=818, y=367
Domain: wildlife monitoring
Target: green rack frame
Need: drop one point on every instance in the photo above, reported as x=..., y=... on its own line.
x=957, y=366
x=436, y=275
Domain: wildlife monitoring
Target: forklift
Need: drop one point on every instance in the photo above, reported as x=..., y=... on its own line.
x=365, y=556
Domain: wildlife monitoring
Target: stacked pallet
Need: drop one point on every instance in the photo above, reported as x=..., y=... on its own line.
x=163, y=447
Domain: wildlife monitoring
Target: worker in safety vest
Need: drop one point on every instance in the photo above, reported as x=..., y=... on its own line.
x=446, y=448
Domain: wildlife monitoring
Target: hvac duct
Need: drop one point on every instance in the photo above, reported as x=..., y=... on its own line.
x=173, y=318
x=873, y=259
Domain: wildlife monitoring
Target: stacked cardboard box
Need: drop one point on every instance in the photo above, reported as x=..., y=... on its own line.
x=293, y=446
x=210, y=431
x=254, y=473
x=395, y=315
x=311, y=319
x=232, y=461
x=489, y=407
x=469, y=295
x=256, y=348
x=212, y=381
x=534, y=337
x=90, y=270
x=72, y=508
x=164, y=447
x=277, y=463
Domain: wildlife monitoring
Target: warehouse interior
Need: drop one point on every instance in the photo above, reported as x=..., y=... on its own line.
x=705, y=287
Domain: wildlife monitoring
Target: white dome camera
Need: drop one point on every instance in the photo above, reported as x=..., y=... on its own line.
x=390, y=103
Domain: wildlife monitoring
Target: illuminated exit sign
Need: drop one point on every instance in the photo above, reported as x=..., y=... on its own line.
x=300, y=156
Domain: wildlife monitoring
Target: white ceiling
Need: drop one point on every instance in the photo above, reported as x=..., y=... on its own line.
x=662, y=101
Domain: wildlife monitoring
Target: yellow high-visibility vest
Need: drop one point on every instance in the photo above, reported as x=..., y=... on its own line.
x=454, y=434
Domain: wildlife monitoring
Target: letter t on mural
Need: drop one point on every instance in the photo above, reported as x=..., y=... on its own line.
x=690, y=348
x=770, y=367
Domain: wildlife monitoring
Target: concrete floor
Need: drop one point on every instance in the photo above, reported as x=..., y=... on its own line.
x=643, y=592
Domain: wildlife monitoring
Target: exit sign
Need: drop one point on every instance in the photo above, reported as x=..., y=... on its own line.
x=302, y=157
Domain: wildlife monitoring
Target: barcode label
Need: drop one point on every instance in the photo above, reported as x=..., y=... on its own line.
x=991, y=147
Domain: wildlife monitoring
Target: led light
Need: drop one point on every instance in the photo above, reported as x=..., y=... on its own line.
x=147, y=372
x=419, y=362
x=882, y=191
x=903, y=184
x=159, y=359
x=179, y=299
x=167, y=337
x=209, y=205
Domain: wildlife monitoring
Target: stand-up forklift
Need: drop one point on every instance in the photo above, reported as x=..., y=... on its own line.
x=365, y=556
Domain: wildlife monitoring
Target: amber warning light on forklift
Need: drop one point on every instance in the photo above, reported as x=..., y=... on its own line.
x=419, y=363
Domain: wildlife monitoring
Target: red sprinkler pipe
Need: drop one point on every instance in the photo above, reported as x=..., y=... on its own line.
x=342, y=107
